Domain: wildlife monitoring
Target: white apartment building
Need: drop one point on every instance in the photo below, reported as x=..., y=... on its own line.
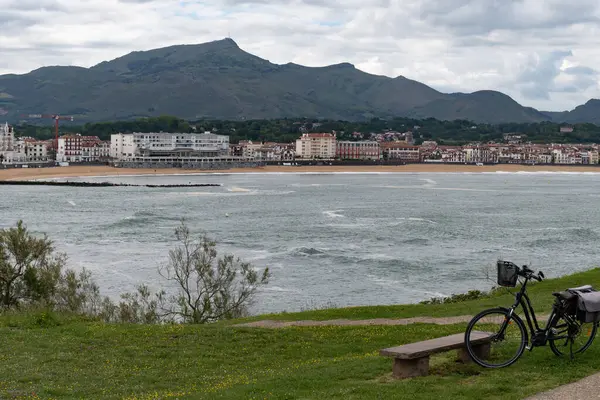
x=167, y=146
x=589, y=157
x=561, y=157
x=95, y=151
x=35, y=150
x=316, y=145
x=121, y=146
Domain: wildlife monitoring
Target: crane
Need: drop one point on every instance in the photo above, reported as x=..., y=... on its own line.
x=56, y=118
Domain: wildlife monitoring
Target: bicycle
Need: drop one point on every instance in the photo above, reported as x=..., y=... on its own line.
x=563, y=328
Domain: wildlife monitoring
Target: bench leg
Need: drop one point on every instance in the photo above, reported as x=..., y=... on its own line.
x=481, y=351
x=410, y=368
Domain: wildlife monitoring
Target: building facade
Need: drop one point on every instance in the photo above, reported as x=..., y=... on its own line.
x=401, y=151
x=35, y=150
x=363, y=150
x=71, y=148
x=169, y=150
x=11, y=152
x=128, y=146
x=316, y=146
x=7, y=138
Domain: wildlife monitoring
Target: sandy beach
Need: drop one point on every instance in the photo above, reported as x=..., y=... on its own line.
x=74, y=171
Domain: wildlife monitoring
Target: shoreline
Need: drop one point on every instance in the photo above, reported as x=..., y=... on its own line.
x=107, y=171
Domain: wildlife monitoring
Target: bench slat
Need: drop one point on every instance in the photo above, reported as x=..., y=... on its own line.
x=438, y=345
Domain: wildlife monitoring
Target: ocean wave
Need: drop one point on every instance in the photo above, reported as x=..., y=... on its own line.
x=280, y=289
x=234, y=192
x=307, y=251
x=416, y=219
x=238, y=189
x=417, y=241
x=523, y=172
x=432, y=187
x=334, y=213
x=141, y=218
x=429, y=181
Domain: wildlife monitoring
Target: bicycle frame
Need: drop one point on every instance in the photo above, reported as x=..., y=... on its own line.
x=539, y=336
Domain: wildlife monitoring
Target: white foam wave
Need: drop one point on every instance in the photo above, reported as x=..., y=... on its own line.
x=591, y=173
x=350, y=225
x=279, y=289
x=417, y=219
x=334, y=214
x=317, y=184
x=71, y=202
x=429, y=181
x=431, y=187
x=238, y=189
x=244, y=192
x=383, y=281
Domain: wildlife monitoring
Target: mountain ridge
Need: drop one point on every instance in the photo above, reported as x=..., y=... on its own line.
x=222, y=81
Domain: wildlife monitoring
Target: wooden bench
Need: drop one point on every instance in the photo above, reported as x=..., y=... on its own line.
x=411, y=360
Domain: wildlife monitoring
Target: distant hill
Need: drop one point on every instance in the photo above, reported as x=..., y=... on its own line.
x=220, y=80
x=588, y=112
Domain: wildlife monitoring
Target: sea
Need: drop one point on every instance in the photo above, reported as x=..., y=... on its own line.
x=329, y=239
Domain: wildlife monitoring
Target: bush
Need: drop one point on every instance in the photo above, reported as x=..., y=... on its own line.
x=457, y=298
x=209, y=288
x=32, y=276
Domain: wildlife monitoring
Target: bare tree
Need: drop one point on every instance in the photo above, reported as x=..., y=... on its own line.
x=209, y=288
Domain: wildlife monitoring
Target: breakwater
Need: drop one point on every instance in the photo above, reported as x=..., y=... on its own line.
x=100, y=184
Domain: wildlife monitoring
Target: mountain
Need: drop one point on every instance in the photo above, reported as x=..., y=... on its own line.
x=220, y=80
x=588, y=112
x=482, y=106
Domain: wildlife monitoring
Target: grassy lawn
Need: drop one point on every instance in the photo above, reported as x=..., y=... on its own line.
x=540, y=294
x=58, y=357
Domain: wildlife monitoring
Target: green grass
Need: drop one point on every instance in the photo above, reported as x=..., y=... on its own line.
x=540, y=294
x=50, y=356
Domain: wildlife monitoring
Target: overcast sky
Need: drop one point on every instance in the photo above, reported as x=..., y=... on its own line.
x=543, y=53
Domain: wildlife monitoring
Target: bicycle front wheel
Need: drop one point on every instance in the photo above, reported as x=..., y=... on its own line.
x=504, y=334
x=569, y=336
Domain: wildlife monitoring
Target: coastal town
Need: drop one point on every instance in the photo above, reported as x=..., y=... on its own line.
x=212, y=150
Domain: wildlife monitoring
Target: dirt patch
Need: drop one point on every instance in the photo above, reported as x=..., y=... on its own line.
x=267, y=323
x=345, y=322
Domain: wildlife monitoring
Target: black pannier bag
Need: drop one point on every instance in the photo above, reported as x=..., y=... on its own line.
x=588, y=303
x=507, y=274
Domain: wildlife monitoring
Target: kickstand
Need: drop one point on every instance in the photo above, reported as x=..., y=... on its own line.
x=571, y=348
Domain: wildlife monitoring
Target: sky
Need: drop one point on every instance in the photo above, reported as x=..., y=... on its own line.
x=543, y=53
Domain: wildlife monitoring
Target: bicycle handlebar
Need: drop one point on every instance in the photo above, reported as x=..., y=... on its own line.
x=528, y=273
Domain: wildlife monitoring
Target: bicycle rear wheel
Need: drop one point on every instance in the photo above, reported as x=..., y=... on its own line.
x=570, y=336
x=507, y=338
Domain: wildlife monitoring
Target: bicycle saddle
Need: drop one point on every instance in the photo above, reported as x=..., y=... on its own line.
x=566, y=295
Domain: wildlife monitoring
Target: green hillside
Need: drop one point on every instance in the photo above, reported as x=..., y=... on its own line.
x=218, y=80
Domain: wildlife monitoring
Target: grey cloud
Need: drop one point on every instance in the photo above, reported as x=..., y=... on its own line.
x=580, y=70
x=36, y=5
x=480, y=17
x=537, y=80
x=340, y=5
x=11, y=19
x=582, y=78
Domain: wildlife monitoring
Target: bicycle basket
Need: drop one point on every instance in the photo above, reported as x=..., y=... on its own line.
x=507, y=274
